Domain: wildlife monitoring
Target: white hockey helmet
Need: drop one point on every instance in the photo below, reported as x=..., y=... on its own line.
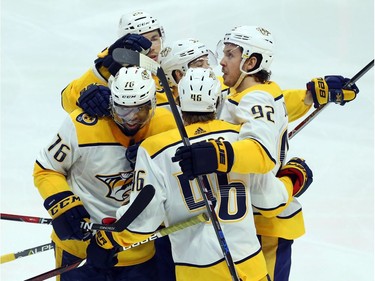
x=133, y=97
x=139, y=22
x=252, y=39
x=199, y=90
x=180, y=54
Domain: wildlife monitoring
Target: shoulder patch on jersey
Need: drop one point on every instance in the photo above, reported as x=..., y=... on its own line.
x=86, y=119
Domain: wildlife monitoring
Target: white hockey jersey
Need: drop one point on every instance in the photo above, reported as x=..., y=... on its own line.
x=262, y=112
x=87, y=157
x=196, y=250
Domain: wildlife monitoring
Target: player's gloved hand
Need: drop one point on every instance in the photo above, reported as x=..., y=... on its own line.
x=67, y=212
x=132, y=41
x=131, y=154
x=101, y=252
x=94, y=100
x=300, y=174
x=205, y=157
x=330, y=89
x=105, y=63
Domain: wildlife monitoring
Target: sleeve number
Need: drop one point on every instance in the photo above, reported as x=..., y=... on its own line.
x=139, y=180
x=60, y=154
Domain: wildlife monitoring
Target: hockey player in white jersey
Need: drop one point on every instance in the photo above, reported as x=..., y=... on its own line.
x=196, y=251
x=258, y=104
x=176, y=57
x=83, y=173
x=142, y=32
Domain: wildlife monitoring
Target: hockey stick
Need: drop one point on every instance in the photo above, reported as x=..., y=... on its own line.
x=158, y=234
x=139, y=204
x=162, y=232
x=135, y=209
x=170, y=229
x=22, y=218
x=128, y=57
x=56, y=271
x=25, y=253
x=84, y=225
x=40, y=220
x=315, y=113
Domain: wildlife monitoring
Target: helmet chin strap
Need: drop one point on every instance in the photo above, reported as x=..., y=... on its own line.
x=244, y=74
x=240, y=79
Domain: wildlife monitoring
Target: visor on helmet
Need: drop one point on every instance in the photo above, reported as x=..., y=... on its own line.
x=132, y=117
x=205, y=61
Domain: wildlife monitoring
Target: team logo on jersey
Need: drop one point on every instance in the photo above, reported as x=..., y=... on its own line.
x=86, y=119
x=119, y=185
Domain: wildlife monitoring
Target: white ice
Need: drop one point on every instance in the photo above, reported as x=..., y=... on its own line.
x=47, y=44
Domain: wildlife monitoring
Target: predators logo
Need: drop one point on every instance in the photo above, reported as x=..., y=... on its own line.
x=86, y=119
x=145, y=75
x=119, y=185
x=213, y=75
x=264, y=31
x=165, y=52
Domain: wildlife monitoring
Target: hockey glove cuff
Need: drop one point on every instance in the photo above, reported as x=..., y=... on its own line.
x=205, y=157
x=67, y=212
x=101, y=252
x=105, y=65
x=94, y=100
x=300, y=174
x=337, y=93
x=330, y=89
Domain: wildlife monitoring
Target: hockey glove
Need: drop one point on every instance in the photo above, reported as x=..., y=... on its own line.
x=300, y=174
x=205, y=157
x=101, y=252
x=105, y=63
x=131, y=154
x=94, y=100
x=67, y=212
x=330, y=89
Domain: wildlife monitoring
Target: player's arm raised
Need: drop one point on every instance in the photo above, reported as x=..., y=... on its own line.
x=319, y=91
x=104, y=67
